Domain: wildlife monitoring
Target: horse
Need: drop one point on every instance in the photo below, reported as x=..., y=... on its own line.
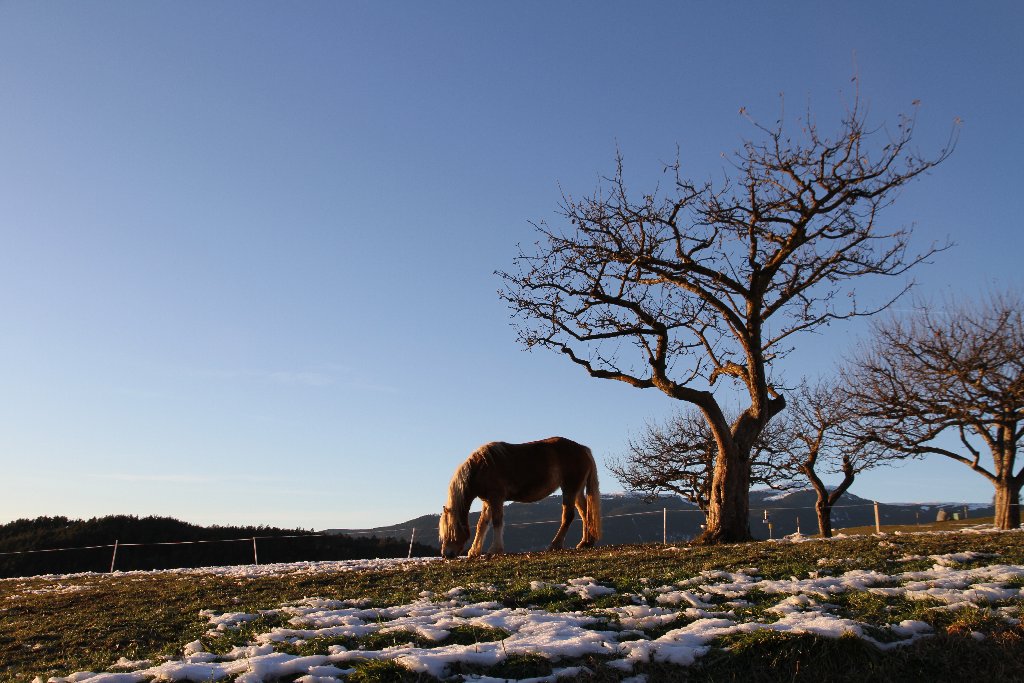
x=525, y=473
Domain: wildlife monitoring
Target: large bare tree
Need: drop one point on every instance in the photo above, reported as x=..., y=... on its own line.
x=950, y=381
x=823, y=439
x=679, y=455
x=677, y=288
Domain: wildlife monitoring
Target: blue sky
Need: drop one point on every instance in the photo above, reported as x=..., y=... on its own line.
x=247, y=258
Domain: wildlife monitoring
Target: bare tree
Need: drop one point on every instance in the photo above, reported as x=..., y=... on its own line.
x=823, y=440
x=679, y=457
x=950, y=381
x=674, y=290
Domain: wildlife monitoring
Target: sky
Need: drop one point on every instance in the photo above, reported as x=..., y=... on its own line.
x=247, y=250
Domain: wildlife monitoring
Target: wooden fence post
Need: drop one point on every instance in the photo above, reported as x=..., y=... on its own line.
x=878, y=520
x=114, y=558
x=255, y=556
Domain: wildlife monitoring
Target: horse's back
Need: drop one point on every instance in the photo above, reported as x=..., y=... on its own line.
x=562, y=446
x=528, y=472
x=555, y=449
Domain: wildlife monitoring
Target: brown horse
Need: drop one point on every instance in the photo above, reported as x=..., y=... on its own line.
x=524, y=473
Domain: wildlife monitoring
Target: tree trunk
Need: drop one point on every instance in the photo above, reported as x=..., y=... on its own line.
x=824, y=511
x=729, y=508
x=1007, y=503
x=823, y=506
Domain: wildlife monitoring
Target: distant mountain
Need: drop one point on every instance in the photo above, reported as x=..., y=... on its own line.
x=55, y=545
x=630, y=519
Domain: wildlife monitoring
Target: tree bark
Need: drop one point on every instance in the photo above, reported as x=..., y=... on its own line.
x=728, y=513
x=729, y=508
x=824, y=511
x=823, y=506
x=1007, y=503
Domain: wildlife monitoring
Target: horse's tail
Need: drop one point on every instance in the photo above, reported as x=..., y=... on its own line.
x=593, y=518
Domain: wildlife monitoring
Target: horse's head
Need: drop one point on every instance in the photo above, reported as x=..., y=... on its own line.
x=453, y=531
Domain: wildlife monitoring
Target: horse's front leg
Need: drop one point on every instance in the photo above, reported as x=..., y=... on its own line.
x=498, y=524
x=481, y=531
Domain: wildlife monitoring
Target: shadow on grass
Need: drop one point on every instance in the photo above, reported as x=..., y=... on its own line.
x=768, y=656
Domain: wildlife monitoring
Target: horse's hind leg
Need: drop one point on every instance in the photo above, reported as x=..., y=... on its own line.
x=567, y=514
x=498, y=524
x=481, y=531
x=581, y=507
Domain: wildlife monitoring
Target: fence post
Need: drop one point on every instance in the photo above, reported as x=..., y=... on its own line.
x=255, y=557
x=798, y=526
x=664, y=526
x=878, y=520
x=114, y=558
x=411, y=539
x=965, y=512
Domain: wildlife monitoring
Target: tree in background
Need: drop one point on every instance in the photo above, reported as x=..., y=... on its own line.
x=679, y=457
x=822, y=439
x=950, y=381
x=675, y=290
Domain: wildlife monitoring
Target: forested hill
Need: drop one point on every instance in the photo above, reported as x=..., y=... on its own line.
x=71, y=545
x=59, y=532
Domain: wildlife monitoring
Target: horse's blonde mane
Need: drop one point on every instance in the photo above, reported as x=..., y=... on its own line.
x=458, y=500
x=460, y=480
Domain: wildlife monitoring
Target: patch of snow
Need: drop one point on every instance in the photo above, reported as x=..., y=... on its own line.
x=587, y=588
x=951, y=559
x=910, y=627
x=125, y=663
x=683, y=597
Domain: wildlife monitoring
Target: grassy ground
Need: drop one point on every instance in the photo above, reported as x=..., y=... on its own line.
x=58, y=626
x=948, y=525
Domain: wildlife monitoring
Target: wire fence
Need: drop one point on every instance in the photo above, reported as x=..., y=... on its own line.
x=256, y=542
x=399, y=532
x=247, y=539
x=767, y=520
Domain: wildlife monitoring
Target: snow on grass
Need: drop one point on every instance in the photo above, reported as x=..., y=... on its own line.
x=585, y=587
x=707, y=606
x=950, y=559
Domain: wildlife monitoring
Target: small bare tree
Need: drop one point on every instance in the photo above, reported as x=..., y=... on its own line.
x=950, y=381
x=679, y=457
x=676, y=290
x=823, y=440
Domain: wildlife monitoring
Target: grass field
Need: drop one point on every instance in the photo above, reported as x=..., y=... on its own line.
x=56, y=626
x=948, y=525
